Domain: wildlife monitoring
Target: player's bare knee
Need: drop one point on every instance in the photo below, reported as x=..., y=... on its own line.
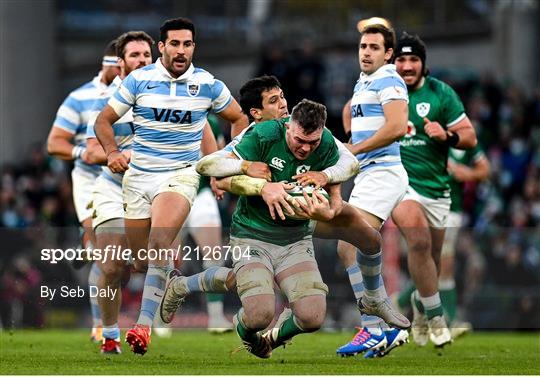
x=112, y=272
x=310, y=316
x=372, y=242
x=259, y=313
x=420, y=246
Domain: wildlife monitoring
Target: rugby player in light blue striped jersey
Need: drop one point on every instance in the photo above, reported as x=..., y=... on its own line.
x=67, y=141
x=170, y=100
x=378, y=113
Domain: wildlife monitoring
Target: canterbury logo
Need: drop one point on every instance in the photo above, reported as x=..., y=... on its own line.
x=277, y=163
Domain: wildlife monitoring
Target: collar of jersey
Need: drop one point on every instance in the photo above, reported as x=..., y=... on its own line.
x=381, y=72
x=164, y=71
x=117, y=81
x=97, y=81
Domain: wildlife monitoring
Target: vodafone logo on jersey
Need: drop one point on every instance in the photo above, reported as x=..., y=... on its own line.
x=411, y=129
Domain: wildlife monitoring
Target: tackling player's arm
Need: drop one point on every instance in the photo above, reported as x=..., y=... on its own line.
x=59, y=145
x=396, y=115
x=116, y=161
x=219, y=166
x=234, y=115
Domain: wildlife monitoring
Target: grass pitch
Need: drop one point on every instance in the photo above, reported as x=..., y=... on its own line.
x=197, y=352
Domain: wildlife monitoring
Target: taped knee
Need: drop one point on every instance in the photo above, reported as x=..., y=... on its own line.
x=303, y=284
x=254, y=281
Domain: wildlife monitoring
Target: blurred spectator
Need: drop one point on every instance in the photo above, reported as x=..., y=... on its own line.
x=20, y=294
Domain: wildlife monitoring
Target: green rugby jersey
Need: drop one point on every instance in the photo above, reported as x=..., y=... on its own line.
x=265, y=142
x=424, y=158
x=463, y=157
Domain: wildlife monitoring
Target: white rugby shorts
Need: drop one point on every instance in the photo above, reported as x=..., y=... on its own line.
x=140, y=188
x=204, y=211
x=436, y=209
x=107, y=201
x=378, y=190
x=82, y=188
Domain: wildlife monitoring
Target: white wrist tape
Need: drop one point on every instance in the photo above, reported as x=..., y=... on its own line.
x=77, y=151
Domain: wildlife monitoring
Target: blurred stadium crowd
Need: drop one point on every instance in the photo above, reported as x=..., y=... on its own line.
x=498, y=250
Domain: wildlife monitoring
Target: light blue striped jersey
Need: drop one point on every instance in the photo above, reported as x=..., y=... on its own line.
x=371, y=92
x=169, y=114
x=123, y=128
x=73, y=115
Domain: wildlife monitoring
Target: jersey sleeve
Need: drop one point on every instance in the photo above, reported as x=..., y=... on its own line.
x=68, y=116
x=392, y=88
x=124, y=98
x=452, y=107
x=249, y=147
x=221, y=96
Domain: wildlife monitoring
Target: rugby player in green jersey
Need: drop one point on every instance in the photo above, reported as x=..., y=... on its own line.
x=437, y=122
x=280, y=248
x=464, y=166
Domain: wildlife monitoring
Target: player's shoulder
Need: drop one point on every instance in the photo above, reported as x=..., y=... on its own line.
x=437, y=85
x=269, y=131
x=86, y=91
x=203, y=76
x=145, y=73
x=386, y=77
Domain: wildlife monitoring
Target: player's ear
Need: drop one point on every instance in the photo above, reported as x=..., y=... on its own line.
x=161, y=46
x=388, y=54
x=256, y=114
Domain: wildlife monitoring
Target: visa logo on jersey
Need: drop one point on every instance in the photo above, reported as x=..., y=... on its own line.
x=173, y=116
x=356, y=111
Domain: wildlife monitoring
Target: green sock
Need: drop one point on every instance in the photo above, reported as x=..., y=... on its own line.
x=438, y=310
x=214, y=297
x=404, y=298
x=288, y=329
x=245, y=333
x=449, y=303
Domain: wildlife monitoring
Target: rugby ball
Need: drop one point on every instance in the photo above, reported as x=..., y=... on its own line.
x=297, y=192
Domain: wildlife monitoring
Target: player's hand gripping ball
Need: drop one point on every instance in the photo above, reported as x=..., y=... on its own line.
x=296, y=193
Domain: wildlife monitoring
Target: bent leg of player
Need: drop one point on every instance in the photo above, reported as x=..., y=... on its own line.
x=255, y=287
x=256, y=291
x=204, y=225
x=168, y=190
x=216, y=280
x=299, y=279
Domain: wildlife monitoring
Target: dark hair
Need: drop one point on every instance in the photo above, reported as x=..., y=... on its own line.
x=179, y=23
x=412, y=45
x=131, y=36
x=388, y=34
x=310, y=115
x=110, y=50
x=251, y=92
